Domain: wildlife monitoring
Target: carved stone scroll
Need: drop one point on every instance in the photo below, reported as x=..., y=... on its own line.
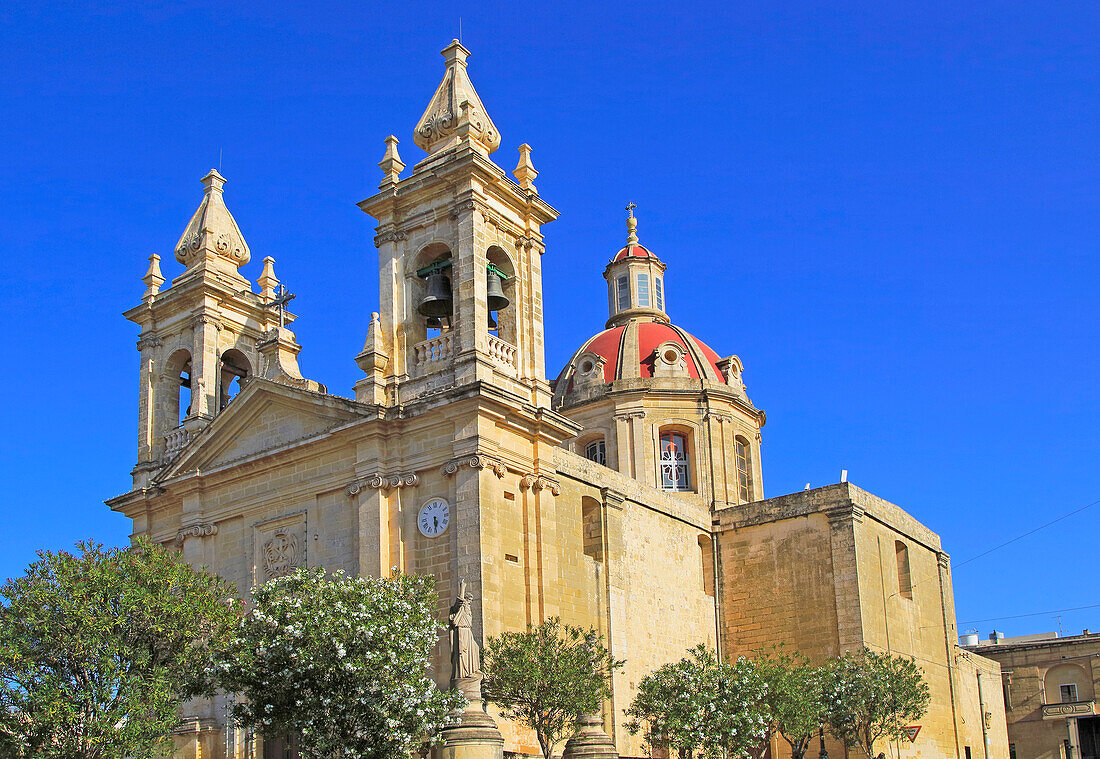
x=538, y=482
x=381, y=481
x=476, y=461
x=195, y=531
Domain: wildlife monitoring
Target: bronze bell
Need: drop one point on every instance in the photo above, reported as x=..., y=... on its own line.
x=438, y=301
x=434, y=322
x=492, y=322
x=494, y=294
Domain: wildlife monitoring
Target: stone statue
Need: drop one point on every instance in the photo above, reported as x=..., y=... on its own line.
x=465, y=652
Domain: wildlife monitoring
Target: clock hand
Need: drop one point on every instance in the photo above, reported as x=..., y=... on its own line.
x=435, y=521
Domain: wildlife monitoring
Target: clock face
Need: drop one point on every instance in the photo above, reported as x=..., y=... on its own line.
x=434, y=517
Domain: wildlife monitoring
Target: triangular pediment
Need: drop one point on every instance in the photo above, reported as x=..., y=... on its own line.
x=266, y=416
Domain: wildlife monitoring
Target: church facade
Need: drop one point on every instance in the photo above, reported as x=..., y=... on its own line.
x=626, y=495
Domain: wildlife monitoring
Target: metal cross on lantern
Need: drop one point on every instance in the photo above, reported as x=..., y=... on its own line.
x=282, y=297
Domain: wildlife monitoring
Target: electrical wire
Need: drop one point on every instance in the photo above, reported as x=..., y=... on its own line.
x=1031, y=614
x=1029, y=532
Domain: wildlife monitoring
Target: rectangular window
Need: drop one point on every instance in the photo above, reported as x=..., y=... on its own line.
x=659, y=291
x=743, y=478
x=622, y=297
x=643, y=290
x=1069, y=693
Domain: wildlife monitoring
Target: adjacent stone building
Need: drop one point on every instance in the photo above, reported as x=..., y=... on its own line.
x=1050, y=689
x=625, y=496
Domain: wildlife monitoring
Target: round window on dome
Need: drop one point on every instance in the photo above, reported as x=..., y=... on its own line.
x=672, y=355
x=586, y=367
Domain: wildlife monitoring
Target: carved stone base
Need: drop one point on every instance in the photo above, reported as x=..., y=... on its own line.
x=476, y=735
x=590, y=741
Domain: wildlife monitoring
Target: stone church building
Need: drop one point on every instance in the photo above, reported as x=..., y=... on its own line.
x=625, y=495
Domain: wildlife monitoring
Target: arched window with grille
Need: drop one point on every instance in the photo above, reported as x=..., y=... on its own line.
x=675, y=464
x=596, y=451
x=744, y=469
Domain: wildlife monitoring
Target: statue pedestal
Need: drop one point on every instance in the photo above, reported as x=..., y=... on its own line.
x=476, y=735
x=590, y=741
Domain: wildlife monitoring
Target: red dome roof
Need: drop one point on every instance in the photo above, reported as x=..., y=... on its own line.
x=612, y=344
x=635, y=251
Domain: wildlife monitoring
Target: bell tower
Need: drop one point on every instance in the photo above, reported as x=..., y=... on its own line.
x=460, y=248
x=206, y=336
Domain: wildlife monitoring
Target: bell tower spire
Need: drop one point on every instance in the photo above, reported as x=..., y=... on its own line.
x=460, y=250
x=455, y=114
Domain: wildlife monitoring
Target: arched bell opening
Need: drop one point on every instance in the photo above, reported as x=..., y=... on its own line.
x=176, y=396
x=500, y=295
x=432, y=294
x=234, y=371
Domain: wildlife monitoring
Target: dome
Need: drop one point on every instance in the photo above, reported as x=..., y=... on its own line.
x=633, y=251
x=630, y=351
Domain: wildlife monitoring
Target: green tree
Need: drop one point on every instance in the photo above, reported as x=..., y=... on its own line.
x=699, y=704
x=98, y=648
x=548, y=677
x=795, y=697
x=342, y=663
x=872, y=696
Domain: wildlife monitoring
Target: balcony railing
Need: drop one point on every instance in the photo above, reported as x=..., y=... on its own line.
x=1069, y=709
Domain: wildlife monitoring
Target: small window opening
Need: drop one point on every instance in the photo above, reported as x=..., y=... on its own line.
x=675, y=468
x=591, y=528
x=659, y=291
x=622, y=298
x=643, y=290
x=744, y=470
x=596, y=451
x=1069, y=693
x=706, y=557
x=905, y=580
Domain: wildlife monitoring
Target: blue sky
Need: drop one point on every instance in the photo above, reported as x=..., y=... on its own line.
x=889, y=211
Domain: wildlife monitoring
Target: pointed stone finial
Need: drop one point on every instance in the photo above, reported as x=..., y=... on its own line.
x=373, y=357
x=153, y=279
x=267, y=280
x=212, y=236
x=455, y=113
x=391, y=163
x=525, y=171
x=631, y=225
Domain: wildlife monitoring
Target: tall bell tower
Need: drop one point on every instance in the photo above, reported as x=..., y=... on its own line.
x=460, y=248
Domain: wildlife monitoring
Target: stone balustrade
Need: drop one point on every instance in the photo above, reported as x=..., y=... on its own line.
x=435, y=349
x=175, y=441
x=502, y=352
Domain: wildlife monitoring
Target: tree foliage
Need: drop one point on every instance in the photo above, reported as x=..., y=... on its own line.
x=342, y=663
x=872, y=696
x=795, y=697
x=548, y=677
x=98, y=648
x=699, y=704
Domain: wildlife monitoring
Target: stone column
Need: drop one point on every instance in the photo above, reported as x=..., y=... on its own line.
x=204, y=366
x=842, y=521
